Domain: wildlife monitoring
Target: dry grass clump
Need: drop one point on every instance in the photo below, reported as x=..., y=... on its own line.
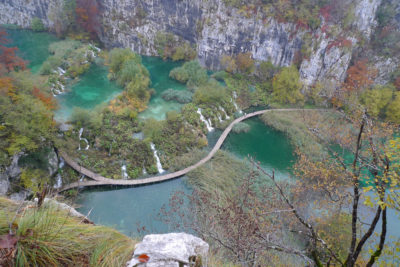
x=49, y=236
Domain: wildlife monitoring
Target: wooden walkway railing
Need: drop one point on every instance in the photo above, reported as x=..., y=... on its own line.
x=100, y=180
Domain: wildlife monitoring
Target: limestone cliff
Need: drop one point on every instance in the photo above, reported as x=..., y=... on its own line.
x=215, y=30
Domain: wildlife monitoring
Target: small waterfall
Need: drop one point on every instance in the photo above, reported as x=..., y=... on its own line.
x=61, y=86
x=82, y=139
x=207, y=122
x=144, y=171
x=61, y=164
x=219, y=118
x=124, y=173
x=61, y=71
x=58, y=181
x=159, y=166
x=226, y=114
x=94, y=47
x=234, y=102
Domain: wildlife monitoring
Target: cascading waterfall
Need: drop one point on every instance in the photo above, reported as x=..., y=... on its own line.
x=234, y=102
x=82, y=139
x=226, y=114
x=58, y=87
x=58, y=184
x=219, y=118
x=60, y=71
x=124, y=173
x=206, y=122
x=159, y=166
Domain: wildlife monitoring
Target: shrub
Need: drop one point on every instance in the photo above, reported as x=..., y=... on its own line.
x=182, y=97
x=184, y=52
x=241, y=127
x=37, y=25
x=244, y=62
x=190, y=73
x=119, y=56
x=64, y=48
x=81, y=117
x=229, y=64
x=393, y=110
x=376, y=100
x=50, y=236
x=211, y=93
x=286, y=86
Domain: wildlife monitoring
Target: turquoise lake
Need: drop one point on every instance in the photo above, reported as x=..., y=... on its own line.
x=128, y=209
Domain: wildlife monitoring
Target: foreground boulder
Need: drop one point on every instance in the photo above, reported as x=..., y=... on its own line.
x=170, y=250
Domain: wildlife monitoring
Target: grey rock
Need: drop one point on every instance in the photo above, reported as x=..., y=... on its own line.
x=4, y=184
x=19, y=196
x=14, y=170
x=214, y=29
x=64, y=127
x=385, y=66
x=365, y=12
x=167, y=250
x=62, y=206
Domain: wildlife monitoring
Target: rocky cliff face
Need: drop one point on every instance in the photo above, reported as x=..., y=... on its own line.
x=215, y=30
x=21, y=12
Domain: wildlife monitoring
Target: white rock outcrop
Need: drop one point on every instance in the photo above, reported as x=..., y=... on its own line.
x=170, y=250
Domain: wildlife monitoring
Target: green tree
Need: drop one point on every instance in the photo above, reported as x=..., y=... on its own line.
x=393, y=110
x=211, y=94
x=37, y=25
x=244, y=62
x=377, y=99
x=286, y=86
x=119, y=56
x=190, y=73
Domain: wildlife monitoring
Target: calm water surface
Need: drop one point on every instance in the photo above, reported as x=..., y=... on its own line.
x=32, y=46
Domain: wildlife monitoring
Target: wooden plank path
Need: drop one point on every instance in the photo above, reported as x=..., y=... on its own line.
x=100, y=180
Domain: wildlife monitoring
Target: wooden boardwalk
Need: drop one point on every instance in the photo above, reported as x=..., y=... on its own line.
x=100, y=180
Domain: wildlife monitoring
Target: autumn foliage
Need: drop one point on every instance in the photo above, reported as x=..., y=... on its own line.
x=48, y=101
x=8, y=59
x=7, y=87
x=359, y=77
x=87, y=16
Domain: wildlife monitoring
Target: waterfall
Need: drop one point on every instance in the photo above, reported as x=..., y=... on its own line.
x=124, y=173
x=219, y=118
x=226, y=114
x=61, y=86
x=61, y=71
x=206, y=122
x=82, y=139
x=144, y=171
x=159, y=166
x=58, y=181
x=234, y=102
x=61, y=164
x=95, y=48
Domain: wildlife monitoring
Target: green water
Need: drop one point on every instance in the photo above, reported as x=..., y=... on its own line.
x=131, y=208
x=264, y=144
x=92, y=89
x=126, y=208
x=32, y=46
x=160, y=81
